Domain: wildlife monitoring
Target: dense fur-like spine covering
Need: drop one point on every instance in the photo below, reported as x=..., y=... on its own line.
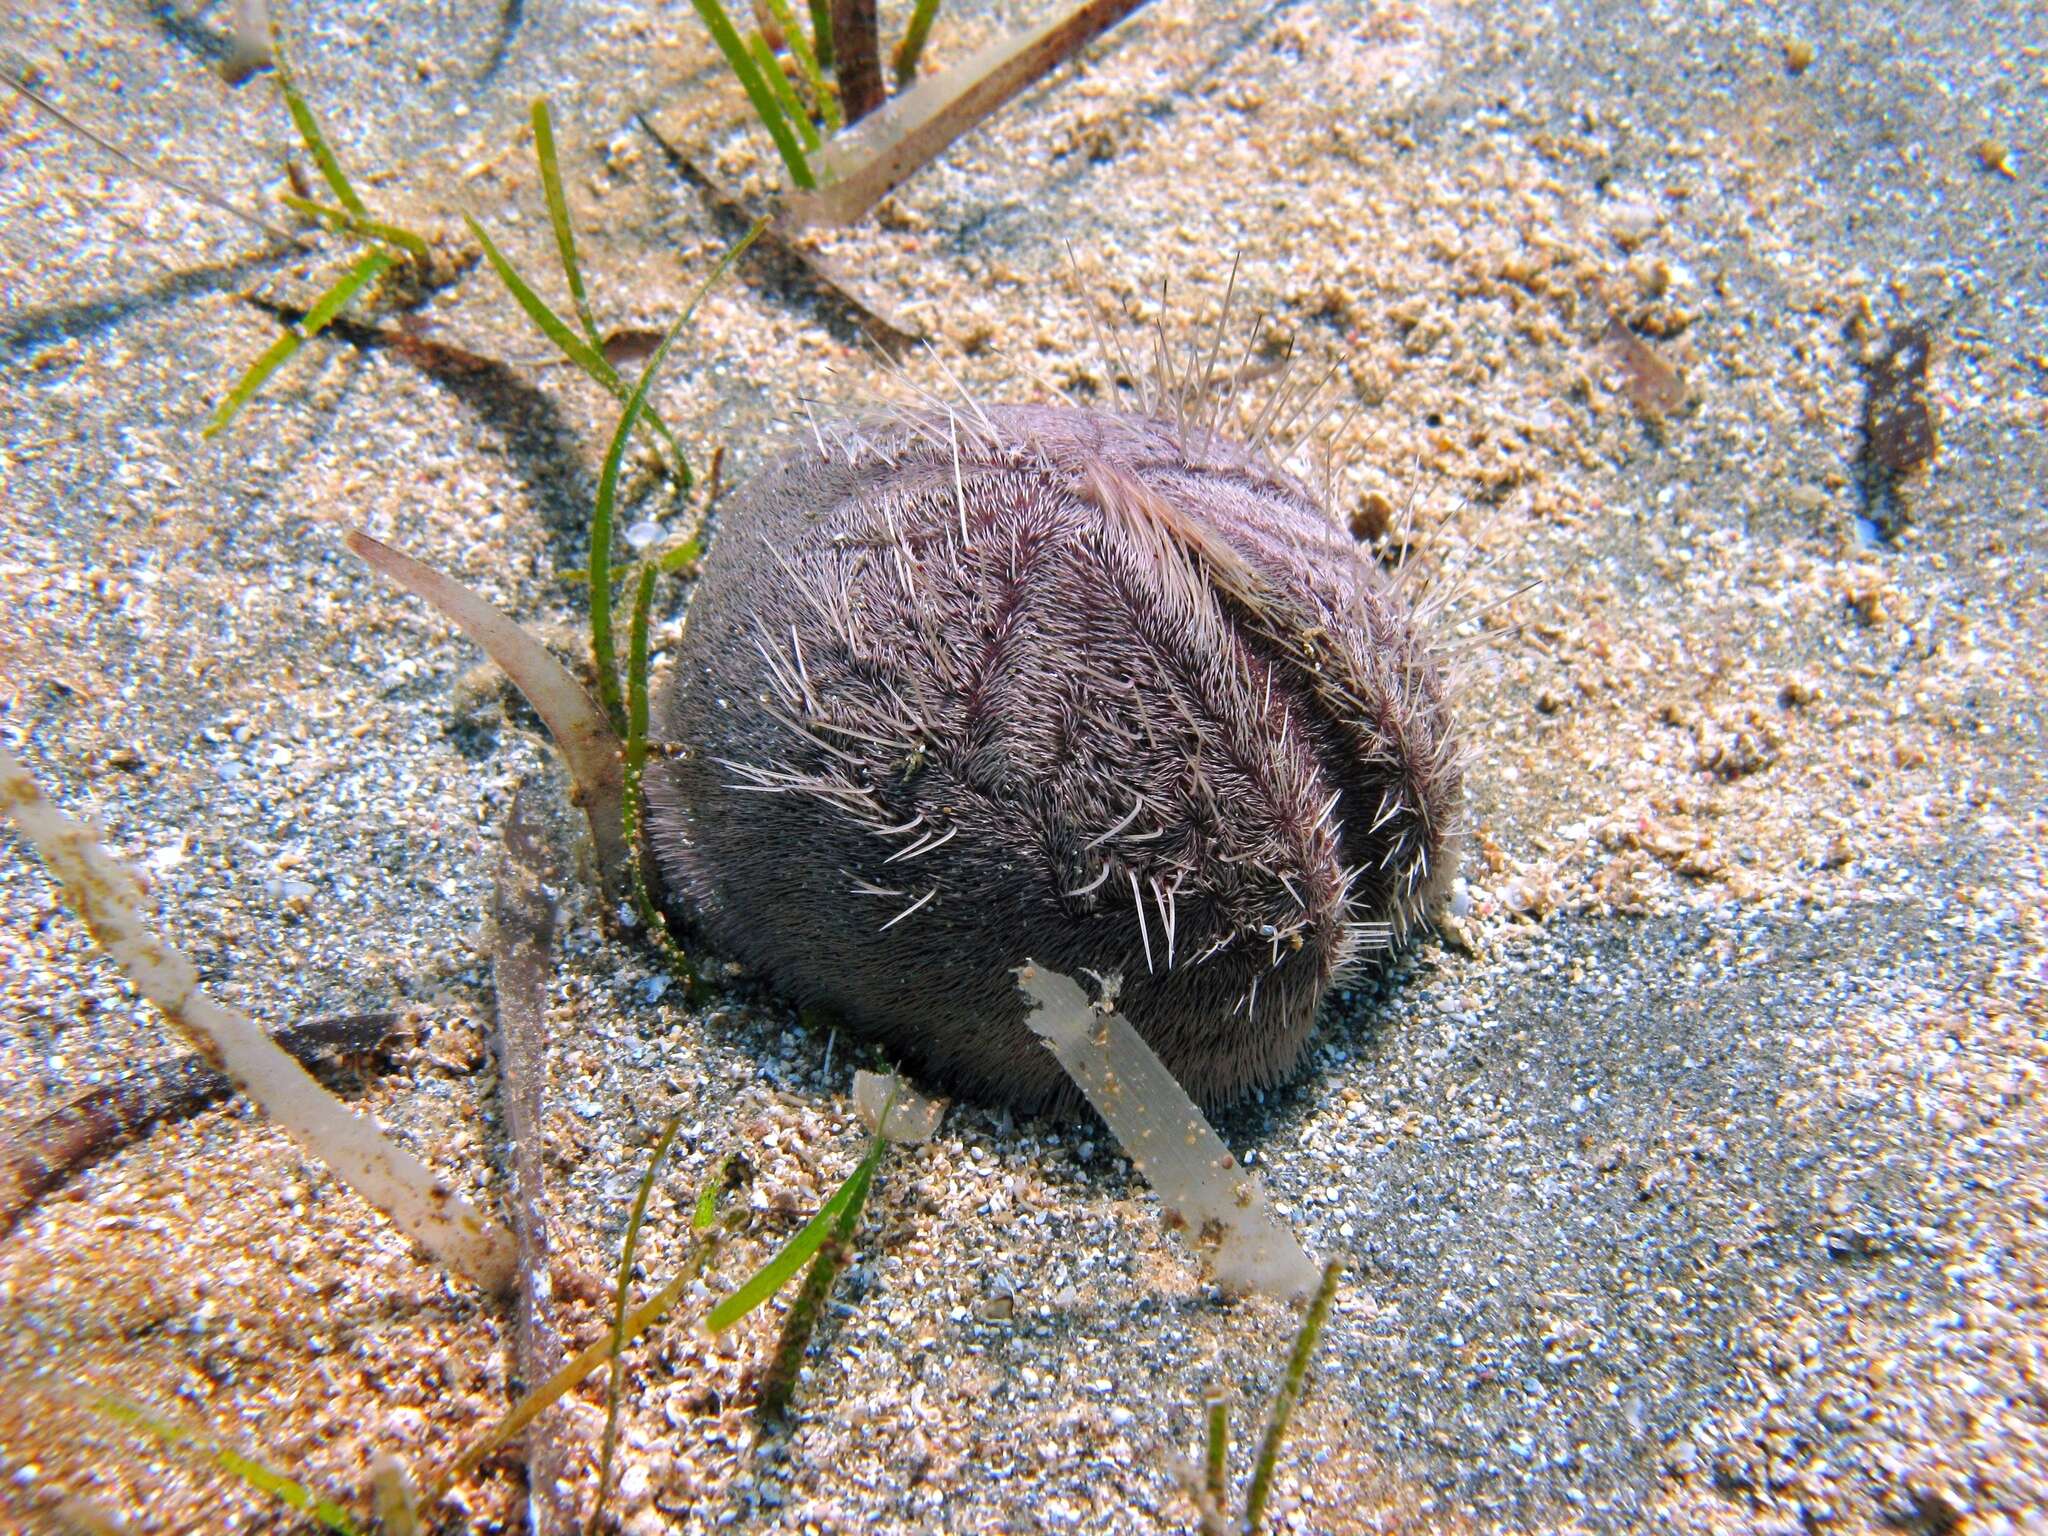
x=970, y=686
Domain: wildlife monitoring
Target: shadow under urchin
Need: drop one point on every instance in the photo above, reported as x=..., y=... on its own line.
x=1108, y=691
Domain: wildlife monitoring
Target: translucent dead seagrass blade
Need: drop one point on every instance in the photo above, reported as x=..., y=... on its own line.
x=1210, y=1200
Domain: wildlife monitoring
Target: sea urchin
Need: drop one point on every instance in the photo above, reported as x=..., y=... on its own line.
x=1103, y=690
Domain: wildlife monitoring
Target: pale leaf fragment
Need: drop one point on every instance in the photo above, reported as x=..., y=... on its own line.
x=863, y=165
x=109, y=897
x=914, y=1119
x=572, y=717
x=1210, y=1200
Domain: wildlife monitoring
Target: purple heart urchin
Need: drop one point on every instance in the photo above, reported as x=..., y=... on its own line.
x=963, y=689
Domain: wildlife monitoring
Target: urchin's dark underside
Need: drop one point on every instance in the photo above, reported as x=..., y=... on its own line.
x=1042, y=682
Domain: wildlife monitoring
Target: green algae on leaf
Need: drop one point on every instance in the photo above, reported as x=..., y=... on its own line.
x=832, y=1240
x=1216, y=1461
x=632, y=804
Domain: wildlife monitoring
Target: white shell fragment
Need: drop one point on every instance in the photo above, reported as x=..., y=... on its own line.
x=914, y=1118
x=1214, y=1204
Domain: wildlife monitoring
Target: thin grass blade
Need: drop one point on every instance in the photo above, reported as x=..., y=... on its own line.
x=574, y=347
x=266, y=1480
x=620, y=1301
x=778, y=1271
x=108, y=898
x=1289, y=1395
x=807, y=61
x=1222, y=1212
x=758, y=92
x=310, y=134
x=536, y=1402
x=785, y=93
x=912, y=47
x=821, y=32
x=341, y=221
x=580, y=352
x=861, y=167
x=1216, y=1464
x=367, y=269
x=778, y=1384
x=558, y=213
x=603, y=647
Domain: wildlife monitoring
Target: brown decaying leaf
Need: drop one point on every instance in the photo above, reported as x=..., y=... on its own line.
x=101, y=1121
x=1652, y=385
x=630, y=344
x=857, y=46
x=1898, y=432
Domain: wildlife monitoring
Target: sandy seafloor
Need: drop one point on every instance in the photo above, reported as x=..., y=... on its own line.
x=1697, y=1182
